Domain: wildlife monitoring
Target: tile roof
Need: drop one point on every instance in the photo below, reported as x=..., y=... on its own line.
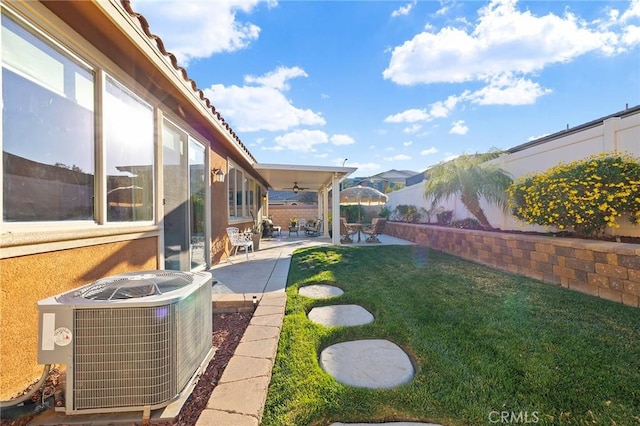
x=144, y=24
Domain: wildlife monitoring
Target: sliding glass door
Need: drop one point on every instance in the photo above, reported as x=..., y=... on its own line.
x=176, y=214
x=185, y=185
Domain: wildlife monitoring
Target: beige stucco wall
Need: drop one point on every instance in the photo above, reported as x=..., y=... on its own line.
x=24, y=280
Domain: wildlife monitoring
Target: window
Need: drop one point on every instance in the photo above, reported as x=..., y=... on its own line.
x=176, y=214
x=47, y=131
x=128, y=135
x=235, y=193
x=49, y=138
x=251, y=198
x=185, y=197
x=243, y=201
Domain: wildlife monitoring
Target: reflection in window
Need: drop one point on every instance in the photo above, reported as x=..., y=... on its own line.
x=128, y=134
x=197, y=187
x=244, y=194
x=233, y=212
x=47, y=130
x=250, y=199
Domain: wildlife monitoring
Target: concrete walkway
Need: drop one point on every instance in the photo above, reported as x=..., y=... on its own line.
x=239, y=397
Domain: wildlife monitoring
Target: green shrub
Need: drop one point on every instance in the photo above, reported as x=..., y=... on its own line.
x=408, y=213
x=466, y=223
x=586, y=195
x=444, y=217
x=385, y=212
x=351, y=213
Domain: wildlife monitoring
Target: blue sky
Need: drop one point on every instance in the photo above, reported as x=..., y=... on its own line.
x=402, y=84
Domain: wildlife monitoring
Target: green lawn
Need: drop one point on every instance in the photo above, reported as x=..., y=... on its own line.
x=483, y=342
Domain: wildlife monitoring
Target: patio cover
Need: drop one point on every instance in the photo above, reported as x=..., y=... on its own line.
x=313, y=179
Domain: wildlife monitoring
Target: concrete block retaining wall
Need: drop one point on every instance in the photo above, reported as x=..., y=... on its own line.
x=608, y=270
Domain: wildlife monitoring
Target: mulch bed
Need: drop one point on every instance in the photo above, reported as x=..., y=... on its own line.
x=227, y=332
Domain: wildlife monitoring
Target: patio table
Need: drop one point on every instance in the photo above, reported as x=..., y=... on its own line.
x=356, y=226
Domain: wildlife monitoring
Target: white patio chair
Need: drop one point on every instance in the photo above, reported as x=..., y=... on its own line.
x=240, y=239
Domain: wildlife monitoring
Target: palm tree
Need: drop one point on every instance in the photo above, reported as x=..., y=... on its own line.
x=473, y=178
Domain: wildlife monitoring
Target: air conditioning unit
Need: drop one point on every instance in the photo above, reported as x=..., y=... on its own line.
x=130, y=342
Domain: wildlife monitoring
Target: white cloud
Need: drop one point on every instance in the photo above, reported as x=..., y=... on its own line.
x=631, y=35
x=342, y=140
x=632, y=12
x=308, y=141
x=503, y=40
x=438, y=109
x=408, y=143
x=278, y=79
x=459, y=128
x=213, y=26
x=429, y=151
x=399, y=157
x=408, y=116
x=414, y=128
x=506, y=89
x=501, y=89
x=262, y=107
x=443, y=10
x=301, y=140
x=403, y=10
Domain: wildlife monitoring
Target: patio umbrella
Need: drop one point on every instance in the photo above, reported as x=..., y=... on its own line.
x=362, y=196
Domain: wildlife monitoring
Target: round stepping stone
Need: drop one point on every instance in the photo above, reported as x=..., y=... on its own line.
x=340, y=315
x=320, y=291
x=374, y=363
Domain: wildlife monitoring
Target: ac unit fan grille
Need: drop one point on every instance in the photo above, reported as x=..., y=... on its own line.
x=135, y=285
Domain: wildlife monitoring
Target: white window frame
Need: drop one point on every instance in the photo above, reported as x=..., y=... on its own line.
x=247, y=184
x=100, y=67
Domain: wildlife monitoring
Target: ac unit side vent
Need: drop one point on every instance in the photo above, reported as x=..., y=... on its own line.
x=194, y=338
x=124, y=357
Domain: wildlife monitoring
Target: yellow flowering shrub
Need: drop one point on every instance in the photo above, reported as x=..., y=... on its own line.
x=585, y=195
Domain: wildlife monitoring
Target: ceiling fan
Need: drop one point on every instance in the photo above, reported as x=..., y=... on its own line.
x=295, y=188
